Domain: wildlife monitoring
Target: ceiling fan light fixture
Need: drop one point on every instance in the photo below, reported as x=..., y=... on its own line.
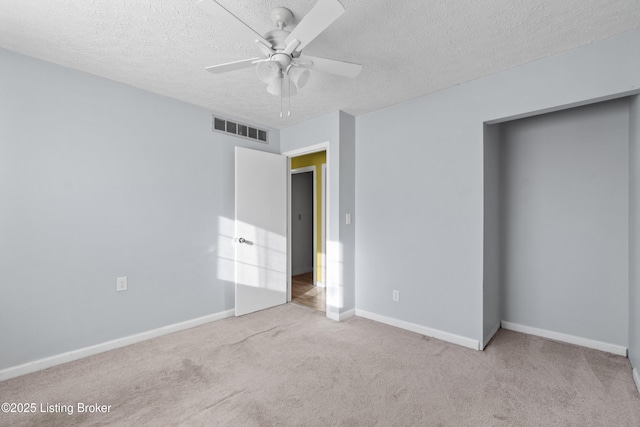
x=299, y=76
x=275, y=86
x=280, y=87
x=267, y=71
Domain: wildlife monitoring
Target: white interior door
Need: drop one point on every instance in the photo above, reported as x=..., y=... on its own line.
x=261, y=230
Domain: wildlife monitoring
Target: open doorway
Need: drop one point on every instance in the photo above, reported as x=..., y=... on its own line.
x=307, y=215
x=556, y=226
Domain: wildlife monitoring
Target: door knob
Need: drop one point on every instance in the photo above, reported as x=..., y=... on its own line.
x=243, y=240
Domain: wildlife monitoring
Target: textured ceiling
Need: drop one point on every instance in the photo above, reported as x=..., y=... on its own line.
x=407, y=48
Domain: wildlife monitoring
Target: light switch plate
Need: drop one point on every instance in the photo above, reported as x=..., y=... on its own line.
x=121, y=284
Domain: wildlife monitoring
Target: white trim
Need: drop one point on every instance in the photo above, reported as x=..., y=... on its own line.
x=422, y=330
x=314, y=242
x=322, y=146
x=315, y=224
x=341, y=317
x=330, y=173
x=70, y=356
x=636, y=378
x=347, y=314
x=571, y=339
x=289, y=264
x=323, y=231
x=491, y=334
x=304, y=169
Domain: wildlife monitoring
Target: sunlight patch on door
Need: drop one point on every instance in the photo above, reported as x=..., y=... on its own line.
x=260, y=260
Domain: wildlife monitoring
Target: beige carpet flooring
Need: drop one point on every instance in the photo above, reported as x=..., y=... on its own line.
x=290, y=365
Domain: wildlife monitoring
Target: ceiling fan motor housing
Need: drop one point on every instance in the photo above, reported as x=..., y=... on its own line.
x=281, y=17
x=277, y=38
x=283, y=59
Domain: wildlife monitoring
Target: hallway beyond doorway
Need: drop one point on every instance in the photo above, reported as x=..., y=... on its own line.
x=303, y=292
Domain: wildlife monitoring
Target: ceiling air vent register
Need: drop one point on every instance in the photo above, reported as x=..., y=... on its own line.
x=241, y=130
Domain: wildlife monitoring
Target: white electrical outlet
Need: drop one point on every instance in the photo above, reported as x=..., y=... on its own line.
x=396, y=295
x=121, y=284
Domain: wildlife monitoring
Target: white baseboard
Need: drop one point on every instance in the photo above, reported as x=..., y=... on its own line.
x=347, y=314
x=70, y=356
x=571, y=339
x=491, y=334
x=422, y=330
x=320, y=284
x=636, y=378
x=333, y=313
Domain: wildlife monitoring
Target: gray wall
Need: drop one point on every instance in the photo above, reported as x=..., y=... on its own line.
x=492, y=233
x=99, y=180
x=348, y=206
x=420, y=175
x=564, y=219
x=302, y=249
x=634, y=233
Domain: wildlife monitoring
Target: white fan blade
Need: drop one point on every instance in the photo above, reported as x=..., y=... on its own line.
x=214, y=9
x=316, y=21
x=232, y=66
x=340, y=68
x=291, y=46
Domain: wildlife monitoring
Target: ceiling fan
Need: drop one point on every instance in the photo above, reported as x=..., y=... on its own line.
x=282, y=65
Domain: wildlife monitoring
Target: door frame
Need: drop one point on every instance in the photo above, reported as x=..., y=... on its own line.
x=323, y=226
x=323, y=146
x=306, y=169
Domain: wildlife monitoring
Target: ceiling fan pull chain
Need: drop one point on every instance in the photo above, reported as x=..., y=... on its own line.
x=280, y=98
x=289, y=97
